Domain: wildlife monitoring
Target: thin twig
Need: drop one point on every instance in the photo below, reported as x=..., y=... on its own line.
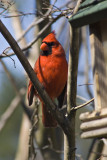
x=33, y=24
x=5, y=5
x=82, y=105
x=9, y=56
x=37, y=37
x=41, y=32
x=51, y=148
x=76, y=8
x=18, y=15
x=78, y=107
x=85, y=84
x=36, y=22
x=31, y=152
x=51, y=21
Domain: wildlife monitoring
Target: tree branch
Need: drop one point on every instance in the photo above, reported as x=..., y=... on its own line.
x=69, y=140
x=71, y=94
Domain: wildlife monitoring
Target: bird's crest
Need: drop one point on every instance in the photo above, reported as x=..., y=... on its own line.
x=53, y=32
x=50, y=38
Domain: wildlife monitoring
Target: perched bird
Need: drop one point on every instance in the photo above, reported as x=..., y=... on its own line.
x=51, y=69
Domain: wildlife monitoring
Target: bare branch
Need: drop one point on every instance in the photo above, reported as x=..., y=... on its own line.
x=50, y=146
x=32, y=153
x=47, y=15
x=9, y=56
x=18, y=15
x=78, y=107
x=5, y=5
x=69, y=140
x=37, y=37
x=33, y=24
x=42, y=31
x=76, y=8
x=37, y=21
x=85, y=84
x=82, y=105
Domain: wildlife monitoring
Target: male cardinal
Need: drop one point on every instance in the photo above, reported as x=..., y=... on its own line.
x=51, y=70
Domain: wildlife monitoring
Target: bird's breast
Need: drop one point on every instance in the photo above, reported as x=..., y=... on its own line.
x=52, y=73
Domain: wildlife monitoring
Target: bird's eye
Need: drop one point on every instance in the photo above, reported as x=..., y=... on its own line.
x=51, y=44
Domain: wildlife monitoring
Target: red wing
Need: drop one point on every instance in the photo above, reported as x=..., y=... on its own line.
x=62, y=97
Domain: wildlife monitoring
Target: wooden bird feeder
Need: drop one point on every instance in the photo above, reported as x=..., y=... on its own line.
x=94, y=14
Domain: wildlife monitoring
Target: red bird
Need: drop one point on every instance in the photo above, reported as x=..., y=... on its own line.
x=51, y=69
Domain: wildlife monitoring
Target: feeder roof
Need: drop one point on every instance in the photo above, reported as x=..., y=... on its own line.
x=90, y=11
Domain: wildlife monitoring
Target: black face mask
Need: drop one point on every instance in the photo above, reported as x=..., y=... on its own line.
x=50, y=45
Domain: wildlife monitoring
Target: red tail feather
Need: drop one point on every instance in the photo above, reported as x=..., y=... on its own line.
x=47, y=118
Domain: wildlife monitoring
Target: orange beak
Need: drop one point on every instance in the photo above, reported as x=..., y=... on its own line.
x=44, y=47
